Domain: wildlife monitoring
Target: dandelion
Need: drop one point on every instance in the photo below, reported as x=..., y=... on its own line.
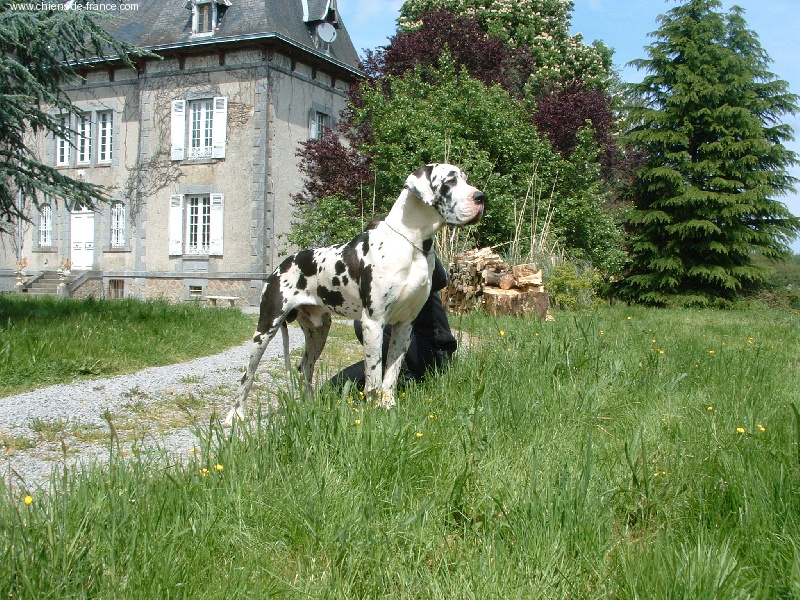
x=602, y=332
x=419, y=434
x=740, y=430
x=502, y=332
x=761, y=428
x=653, y=340
x=711, y=352
x=204, y=472
x=28, y=500
x=218, y=467
x=629, y=318
x=431, y=416
x=358, y=421
x=750, y=340
x=710, y=409
x=660, y=351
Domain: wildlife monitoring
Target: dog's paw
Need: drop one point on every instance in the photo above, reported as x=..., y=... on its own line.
x=235, y=414
x=385, y=400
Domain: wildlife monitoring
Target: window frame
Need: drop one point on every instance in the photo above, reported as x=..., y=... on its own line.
x=105, y=136
x=84, y=139
x=118, y=233
x=198, y=225
x=46, y=226
x=199, y=23
x=320, y=121
x=63, y=153
x=201, y=128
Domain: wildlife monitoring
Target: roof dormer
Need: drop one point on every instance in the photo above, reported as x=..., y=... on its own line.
x=206, y=15
x=320, y=11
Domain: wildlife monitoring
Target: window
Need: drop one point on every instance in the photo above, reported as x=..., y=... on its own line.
x=116, y=289
x=204, y=14
x=46, y=226
x=201, y=128
x=196, y=224
x=105, y=136
x=195, y=292
x=62, y=143
x=200, y=125
x=319, y=123
x=84, y=138
x=117, y=225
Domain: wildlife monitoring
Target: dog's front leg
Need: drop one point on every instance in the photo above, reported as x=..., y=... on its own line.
x=398, y=345
x=372, y=332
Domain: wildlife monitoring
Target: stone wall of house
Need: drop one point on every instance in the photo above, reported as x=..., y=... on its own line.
x=90, y=289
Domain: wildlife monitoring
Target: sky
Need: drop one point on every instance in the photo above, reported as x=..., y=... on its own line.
x=624, y=25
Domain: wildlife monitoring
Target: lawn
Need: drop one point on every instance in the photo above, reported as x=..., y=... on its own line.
x=630, y=453
x=44, y=341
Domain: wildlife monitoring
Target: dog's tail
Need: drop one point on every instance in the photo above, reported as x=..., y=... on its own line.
x=285, y=336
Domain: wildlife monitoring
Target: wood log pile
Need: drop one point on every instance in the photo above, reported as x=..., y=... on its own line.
x=481, y=278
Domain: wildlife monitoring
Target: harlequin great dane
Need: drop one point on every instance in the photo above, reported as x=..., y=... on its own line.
x=382, y=277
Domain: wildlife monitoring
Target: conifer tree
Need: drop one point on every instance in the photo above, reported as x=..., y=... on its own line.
x=40, y=51
x=708, y=117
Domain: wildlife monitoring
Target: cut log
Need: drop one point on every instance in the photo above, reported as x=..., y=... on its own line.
x=515, y=302
x=527, y=275
x=504, y=281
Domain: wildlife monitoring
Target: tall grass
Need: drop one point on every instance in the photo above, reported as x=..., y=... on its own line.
x=629, y=454
x=46, y=341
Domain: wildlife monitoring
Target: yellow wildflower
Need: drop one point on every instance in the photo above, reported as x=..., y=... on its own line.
x=358, y=421
x=218, y=467
x=740, y=430
x=419, y=434
x=761, y=428
x=28, y=500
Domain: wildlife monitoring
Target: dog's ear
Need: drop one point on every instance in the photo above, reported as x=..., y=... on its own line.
x=419, y=184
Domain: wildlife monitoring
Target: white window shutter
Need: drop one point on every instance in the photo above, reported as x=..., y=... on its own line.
x=178, y=129
x=219, y=127
x=175, y=225
x=217, y=211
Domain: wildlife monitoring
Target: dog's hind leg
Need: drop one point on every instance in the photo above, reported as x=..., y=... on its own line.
x=260, y=343
x=315, y=325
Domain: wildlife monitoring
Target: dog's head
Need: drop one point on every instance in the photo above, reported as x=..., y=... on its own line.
x=445, y=188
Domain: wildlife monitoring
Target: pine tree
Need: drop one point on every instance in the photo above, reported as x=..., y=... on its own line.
x=708, y=118
x=40, y=50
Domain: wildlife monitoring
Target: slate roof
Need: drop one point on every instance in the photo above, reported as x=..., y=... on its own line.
x=167, y=25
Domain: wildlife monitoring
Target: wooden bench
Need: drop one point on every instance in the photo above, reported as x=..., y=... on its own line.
x=213, y=299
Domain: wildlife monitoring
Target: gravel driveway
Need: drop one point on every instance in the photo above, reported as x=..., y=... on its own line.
x=156, y=407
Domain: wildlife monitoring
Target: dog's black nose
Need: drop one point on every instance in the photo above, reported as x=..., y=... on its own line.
x=479, y=198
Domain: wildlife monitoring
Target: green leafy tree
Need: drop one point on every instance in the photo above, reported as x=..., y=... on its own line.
x=39, y=51
x=709, y=119
x=538, y=30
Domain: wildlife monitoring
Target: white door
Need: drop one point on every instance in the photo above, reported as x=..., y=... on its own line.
x=82, y=235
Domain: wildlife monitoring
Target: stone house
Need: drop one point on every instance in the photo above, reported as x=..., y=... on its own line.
x=198, y=149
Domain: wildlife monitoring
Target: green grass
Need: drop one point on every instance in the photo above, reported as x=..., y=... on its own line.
x=631, y=453
x=51, y=340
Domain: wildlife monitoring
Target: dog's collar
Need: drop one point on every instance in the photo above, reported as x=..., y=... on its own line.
x=421, y=249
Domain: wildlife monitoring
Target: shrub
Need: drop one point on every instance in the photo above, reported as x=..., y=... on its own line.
x=574, y=287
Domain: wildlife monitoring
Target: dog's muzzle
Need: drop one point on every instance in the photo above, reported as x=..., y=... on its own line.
x=479, y=201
